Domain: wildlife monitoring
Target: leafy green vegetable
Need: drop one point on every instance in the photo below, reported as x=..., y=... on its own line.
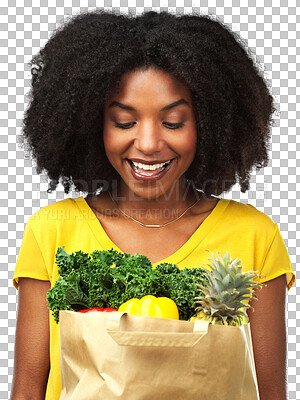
x=110, y=278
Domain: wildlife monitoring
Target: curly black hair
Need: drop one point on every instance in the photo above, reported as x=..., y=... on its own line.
x=80, y=67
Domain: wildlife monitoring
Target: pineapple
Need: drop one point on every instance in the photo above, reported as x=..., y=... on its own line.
x=222, y=302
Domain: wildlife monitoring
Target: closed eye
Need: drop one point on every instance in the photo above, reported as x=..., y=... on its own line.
x=174, y=126
x=124, y=126
x=169, y=125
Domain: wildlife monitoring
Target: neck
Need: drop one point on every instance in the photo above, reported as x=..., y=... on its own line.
x=156, y=208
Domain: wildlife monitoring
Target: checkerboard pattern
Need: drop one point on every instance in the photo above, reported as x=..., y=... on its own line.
x=270, y=28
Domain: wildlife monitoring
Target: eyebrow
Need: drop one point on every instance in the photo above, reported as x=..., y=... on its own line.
x=168, y=107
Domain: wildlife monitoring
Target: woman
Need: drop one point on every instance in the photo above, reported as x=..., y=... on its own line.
x=153, y=116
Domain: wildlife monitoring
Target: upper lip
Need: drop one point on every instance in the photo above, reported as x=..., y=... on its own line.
x=138, y=160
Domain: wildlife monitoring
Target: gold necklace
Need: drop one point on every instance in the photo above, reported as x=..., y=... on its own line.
x=153, y=226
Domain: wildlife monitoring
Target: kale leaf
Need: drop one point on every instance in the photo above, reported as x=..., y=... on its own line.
x=108, y=278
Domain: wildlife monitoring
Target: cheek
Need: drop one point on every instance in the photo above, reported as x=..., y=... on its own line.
x=115, y=147
x=109, y=146
x=106, y=140
x=190, y=144
x=111, y=142
x=109, y=138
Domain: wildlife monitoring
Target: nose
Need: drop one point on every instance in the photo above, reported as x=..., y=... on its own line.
x=148, y=138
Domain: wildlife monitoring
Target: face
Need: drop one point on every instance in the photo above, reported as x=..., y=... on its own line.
x=149, y=132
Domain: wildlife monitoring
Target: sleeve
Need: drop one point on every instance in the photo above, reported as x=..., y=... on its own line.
x=277, y=261
x=30, y=262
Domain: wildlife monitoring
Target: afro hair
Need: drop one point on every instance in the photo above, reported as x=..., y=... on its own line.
x=81, y=65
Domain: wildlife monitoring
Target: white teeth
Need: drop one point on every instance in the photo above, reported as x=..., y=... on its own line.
x=148, y=167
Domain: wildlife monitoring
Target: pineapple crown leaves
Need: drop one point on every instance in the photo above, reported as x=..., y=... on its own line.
x=227, y=273
x=228, y=287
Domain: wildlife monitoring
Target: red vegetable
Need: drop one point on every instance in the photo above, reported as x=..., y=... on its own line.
x=95, y=309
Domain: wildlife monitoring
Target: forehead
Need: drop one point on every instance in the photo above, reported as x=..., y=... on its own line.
x=151, y=83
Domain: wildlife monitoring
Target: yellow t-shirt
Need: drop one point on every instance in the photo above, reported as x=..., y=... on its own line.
x=247, y=233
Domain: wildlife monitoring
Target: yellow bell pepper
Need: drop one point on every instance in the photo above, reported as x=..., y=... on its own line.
x=151, y=306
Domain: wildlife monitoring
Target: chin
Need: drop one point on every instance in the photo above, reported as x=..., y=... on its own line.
x=154, y=191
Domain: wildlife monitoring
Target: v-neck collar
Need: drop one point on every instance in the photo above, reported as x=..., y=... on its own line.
x=195, y=239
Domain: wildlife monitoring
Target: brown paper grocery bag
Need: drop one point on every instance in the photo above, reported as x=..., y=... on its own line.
x=111, y=356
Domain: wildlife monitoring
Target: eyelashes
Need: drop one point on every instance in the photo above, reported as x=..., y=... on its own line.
x=123, y=126
x=169, y=125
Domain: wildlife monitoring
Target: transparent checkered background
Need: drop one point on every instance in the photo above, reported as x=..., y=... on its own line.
x=271, y=29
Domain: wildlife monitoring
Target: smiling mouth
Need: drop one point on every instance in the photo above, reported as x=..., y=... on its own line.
x=149, y=167
x=149, y=171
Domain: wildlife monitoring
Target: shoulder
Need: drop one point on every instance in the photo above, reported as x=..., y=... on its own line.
x=248, y=226
x=249, y=216
x=56, y=213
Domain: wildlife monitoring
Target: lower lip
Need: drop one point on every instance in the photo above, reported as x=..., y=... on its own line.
x=144, y=178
